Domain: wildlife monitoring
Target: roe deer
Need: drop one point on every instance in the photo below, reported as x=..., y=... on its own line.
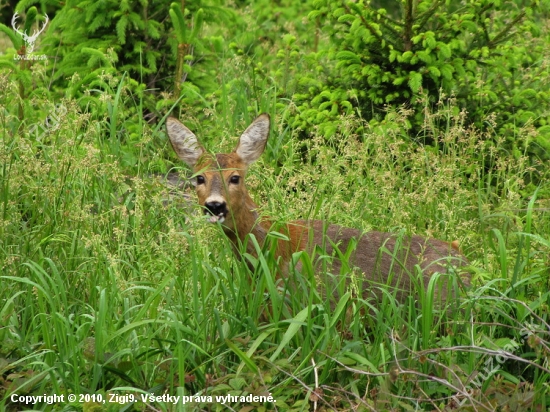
x=383, y=258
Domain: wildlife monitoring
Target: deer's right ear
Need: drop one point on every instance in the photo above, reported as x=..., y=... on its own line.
x=184, y=142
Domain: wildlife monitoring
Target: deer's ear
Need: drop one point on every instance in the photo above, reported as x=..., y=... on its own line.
x=253, y=140
x=184, y=142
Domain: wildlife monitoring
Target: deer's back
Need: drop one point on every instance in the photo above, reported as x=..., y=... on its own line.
x=382, y=258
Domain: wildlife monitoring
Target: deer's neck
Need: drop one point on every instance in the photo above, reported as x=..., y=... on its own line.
x=247, y=221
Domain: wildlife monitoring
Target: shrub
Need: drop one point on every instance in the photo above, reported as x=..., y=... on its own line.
x=94, y=41
x=487, y=56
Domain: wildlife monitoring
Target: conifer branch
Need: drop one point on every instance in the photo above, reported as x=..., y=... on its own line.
x=369, y=27
x=504, y=34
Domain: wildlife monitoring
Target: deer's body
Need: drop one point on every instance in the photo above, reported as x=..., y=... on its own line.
x=382, y=257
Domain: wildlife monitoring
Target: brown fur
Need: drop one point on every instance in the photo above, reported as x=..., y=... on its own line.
x=382, y=258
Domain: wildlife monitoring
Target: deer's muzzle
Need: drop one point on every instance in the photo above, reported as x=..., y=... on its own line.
x=218, y=210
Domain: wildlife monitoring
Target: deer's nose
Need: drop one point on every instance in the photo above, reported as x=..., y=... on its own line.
x=216, y=208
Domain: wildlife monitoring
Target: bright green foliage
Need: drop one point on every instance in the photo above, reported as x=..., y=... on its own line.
x=112, y=282
x=487, y=56
x=94, y=39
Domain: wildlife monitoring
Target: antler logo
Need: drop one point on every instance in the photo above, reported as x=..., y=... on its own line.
x=29, y=40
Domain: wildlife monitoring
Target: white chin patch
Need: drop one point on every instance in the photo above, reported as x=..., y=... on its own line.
x=220, y=218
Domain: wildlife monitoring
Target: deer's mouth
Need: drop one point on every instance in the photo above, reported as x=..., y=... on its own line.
x=217, y=218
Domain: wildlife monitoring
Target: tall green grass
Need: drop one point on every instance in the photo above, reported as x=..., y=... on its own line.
x=110, y=284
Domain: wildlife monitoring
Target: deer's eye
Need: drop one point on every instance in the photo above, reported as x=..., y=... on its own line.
x=234, y=179
x=200, y=180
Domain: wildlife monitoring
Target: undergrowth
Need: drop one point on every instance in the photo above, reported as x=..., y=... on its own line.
x=112, y=283
x=114, y=287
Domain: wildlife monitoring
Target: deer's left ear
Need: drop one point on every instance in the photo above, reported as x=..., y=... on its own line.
x=253, y=140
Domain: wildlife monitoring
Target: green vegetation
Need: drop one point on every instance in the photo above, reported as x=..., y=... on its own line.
x=112, y=282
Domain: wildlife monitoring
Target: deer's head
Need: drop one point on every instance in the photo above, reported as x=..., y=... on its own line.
x=220, y=178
